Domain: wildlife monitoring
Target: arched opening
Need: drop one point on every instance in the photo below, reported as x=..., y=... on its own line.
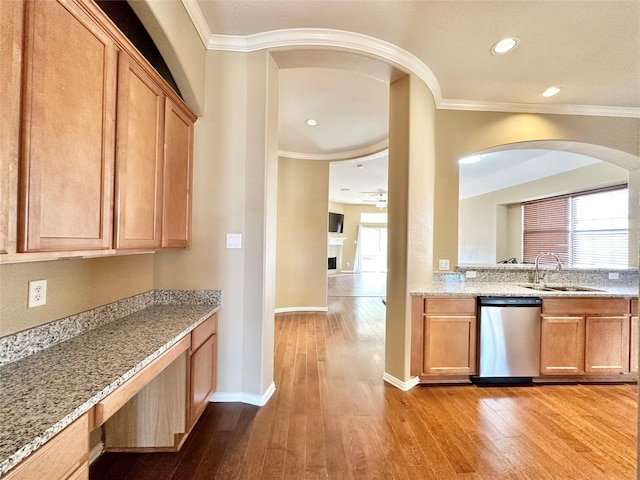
x=491, y=192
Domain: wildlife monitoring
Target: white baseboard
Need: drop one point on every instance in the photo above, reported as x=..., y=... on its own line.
x=250, y=398
x=301, y=309
x=404, y=386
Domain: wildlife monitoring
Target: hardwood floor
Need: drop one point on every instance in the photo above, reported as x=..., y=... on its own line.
x=333, y=417
x=369, y=284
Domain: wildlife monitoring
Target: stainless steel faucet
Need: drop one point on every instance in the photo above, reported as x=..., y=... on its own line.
x=538, y=275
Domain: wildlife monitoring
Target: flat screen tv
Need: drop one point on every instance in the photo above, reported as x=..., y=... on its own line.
x=336, y=222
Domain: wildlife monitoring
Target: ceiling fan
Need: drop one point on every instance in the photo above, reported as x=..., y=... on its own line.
x=379, y=199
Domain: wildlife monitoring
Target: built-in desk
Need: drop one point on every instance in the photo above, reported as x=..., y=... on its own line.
x=87, y=379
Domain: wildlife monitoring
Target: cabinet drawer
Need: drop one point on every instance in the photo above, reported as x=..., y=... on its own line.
x=204, y=331
x=105, y=408
x=450, y=305
x=60, y=457
x=585, y=306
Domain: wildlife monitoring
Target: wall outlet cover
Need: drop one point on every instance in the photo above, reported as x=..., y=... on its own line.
x=443, y=264
x=471, y=274
x=37, y=293
x=614, y=276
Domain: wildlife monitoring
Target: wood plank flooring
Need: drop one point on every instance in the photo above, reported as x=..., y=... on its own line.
x=332, y=417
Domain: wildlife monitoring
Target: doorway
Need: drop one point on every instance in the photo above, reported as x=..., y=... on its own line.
x=374, y=249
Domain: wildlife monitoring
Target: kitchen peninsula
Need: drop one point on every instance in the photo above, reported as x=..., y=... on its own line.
x=588, y=324
x=157, y=347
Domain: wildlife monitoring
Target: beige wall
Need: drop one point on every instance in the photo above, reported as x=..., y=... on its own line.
x=301, y=265
x=235, y=191
x=410, y=224
x=484, y=234
x=461, y=133
x=73, y=286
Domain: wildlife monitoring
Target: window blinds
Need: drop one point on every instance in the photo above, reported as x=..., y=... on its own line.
x=546, y=229
x=585, y=230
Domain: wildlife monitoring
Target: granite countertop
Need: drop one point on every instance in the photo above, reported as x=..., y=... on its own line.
x=45, y=392
x=504, y=289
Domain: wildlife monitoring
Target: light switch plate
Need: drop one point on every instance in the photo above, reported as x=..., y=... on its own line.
x=443, y=264
x=234, y=240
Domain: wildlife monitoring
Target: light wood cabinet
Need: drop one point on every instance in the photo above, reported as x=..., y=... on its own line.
x=178, y=176
x=139, y=158
x=67, y=150
x=445, y=336
x=562, y=345
x=64, y=457
x=11, y=34
x=607, y=344
x=72, y=179
x=633, y=337
x=584, y=336
x=204, y=348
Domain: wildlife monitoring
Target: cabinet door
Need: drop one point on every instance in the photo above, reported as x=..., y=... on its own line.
x=139, y=158
x=607, y=344
x=203, y=377
x=67, y=130
x=62, y=457
x=633, y=345
x=450, y=345
x=178, y=134
x=11, y=22
x=562, y=345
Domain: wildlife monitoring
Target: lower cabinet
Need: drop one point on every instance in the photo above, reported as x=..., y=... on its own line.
x=633, y=337
x=204, y=348
x=607, y=344
x=562, y=345
x=584, y=336
x=446, y=339
x=64, y=457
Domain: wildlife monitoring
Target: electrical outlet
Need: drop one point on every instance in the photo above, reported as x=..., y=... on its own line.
x=443, y=264
x=614, y=276
x=471, y=274
x=37, y=293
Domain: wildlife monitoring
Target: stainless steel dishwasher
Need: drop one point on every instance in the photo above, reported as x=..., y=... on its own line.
x=509, y=340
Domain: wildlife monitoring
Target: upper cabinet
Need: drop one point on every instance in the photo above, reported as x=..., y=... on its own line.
x=11, y=33
x=96, y=148
x=139, y=158
x=178, y=165
x=66, y=167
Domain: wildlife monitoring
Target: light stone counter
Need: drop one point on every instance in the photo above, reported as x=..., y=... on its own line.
x=503, y=289
x=46, y=391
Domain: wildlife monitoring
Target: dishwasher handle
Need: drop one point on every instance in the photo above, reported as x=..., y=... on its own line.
x=510, y=301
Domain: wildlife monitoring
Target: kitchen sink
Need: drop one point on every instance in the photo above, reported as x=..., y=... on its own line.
x=558, y=288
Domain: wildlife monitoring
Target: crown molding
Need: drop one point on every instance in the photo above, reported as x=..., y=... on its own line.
x=330, y=38
x=359, y=153
x=195, y=13
x=558, y=109
x=340, y=39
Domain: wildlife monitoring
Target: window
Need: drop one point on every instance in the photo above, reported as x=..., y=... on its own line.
x=588, y=230
x=370, y=217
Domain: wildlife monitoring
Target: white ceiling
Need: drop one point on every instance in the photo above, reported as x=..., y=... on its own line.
x=589, y=48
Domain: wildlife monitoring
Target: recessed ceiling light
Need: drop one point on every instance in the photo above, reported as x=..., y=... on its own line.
x=312, y=122
x=345, y=189
x=551, y=91
x=470, y=160
x=505, y=45
x=360, y=166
